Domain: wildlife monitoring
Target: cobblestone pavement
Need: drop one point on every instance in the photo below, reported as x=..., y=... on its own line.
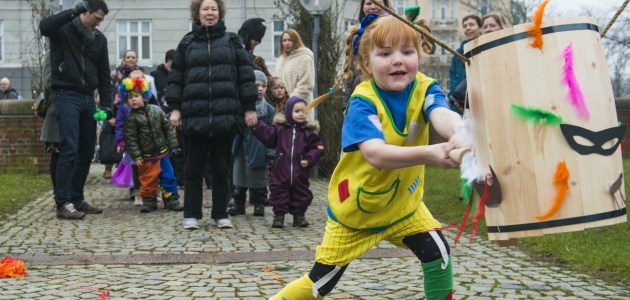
x=151, y=256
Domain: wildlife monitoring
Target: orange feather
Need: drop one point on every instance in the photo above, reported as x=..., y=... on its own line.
x=535, y=33
x=561, y=182
x=12, y=268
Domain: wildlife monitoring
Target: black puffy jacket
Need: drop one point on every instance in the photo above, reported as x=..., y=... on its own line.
x=74, y=66
x=211, y=82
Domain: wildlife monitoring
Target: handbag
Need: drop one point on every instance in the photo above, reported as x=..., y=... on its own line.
x=40, y=106
x=108, y=150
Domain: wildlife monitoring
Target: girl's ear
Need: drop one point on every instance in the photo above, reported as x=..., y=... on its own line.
x=366, y=65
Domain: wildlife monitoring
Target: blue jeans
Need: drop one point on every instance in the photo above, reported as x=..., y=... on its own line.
x=167, y=176
x=77, y=128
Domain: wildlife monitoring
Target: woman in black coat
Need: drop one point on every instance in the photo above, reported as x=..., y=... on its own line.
x=212, y=94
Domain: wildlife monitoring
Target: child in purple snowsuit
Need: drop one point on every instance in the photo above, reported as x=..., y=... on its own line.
x=298, y=148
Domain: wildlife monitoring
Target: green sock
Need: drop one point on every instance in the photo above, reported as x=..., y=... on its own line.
x=438, y=282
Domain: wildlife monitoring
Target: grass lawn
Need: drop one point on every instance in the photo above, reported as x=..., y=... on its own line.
x=18, y=189
x=601, y=252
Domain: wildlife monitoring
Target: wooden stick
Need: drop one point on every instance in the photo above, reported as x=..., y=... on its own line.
x=458, y=154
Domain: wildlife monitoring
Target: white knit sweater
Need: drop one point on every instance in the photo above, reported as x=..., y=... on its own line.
x=297, y=70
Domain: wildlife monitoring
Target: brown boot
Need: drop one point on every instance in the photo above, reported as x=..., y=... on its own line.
x=278, y=221
x=300, y=221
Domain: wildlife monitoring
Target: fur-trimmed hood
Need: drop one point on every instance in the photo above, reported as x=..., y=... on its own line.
x=280, y=119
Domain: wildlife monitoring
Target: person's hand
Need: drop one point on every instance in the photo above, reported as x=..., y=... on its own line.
x=139, y=162
x=440, y=155
x=81, y=7
x=176, y=118
x=120, y=149
x=250, y=118
x=112, y=122
x=303, y=163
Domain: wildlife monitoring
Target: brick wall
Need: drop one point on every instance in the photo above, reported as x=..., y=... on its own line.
x=623, y=115
x=20, y=147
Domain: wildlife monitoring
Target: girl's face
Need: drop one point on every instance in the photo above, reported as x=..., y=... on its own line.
x=393, y=67
x=278, y=90
x=298, y=112
x=209, y=13
x=370, y=8
x=287, y=43
x=262, y=88
x=130, y=58
x=135, y=100
x=490, y=25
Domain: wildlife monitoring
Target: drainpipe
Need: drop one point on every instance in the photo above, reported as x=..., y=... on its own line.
x=244, y=14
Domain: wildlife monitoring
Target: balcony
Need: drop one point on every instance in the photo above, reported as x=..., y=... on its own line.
x=444, y=23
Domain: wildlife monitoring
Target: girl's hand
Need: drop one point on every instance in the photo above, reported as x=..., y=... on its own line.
x=139, y=162
x=176, y=118
x=441, y=158
x=304, y=163
x=250, y=118
x=112, y=122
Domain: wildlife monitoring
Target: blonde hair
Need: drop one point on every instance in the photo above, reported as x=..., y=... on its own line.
x=383, y=30
x=295, y=38
x=497, y=18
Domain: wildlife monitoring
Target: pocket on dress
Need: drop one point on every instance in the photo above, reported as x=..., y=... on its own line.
x=374, y=201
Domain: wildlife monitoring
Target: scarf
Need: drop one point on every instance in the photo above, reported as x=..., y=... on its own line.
x=261, y=108
x=86, y=35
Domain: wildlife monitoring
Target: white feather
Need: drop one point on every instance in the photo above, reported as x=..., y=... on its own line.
x=470, y=171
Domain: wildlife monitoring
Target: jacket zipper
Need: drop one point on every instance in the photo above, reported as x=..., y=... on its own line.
x=209, y=82
x=292, y=146
x=82, y=67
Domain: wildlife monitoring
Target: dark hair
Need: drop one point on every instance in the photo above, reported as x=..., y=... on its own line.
x=196, y=4
x=473, y=16
x=95, y=5
x=362, y=14
x=170, y=54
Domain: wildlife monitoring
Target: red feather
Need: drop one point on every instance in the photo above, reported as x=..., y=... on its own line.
x=535, y=33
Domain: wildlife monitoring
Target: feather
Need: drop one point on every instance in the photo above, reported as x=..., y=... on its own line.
x=12, y=268
x=465, y=191
x=561, y=182
x=575, y=95
x=469, y=169
x=535, y=33
x=535, y=115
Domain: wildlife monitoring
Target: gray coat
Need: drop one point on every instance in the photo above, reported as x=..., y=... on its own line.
x=50, y=128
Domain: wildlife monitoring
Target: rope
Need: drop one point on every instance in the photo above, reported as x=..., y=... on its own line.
x=424, y=32
x=625, y=3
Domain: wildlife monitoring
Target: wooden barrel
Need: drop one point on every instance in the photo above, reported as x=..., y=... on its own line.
x=505, y=70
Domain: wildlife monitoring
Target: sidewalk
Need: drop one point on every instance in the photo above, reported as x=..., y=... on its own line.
x=151, y=256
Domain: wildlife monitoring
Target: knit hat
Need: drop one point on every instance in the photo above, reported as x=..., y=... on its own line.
x=252, y=29
x=288, y=110
x=260, y=76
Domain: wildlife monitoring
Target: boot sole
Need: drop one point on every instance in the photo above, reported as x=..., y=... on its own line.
x=277, y=226
x=66, y=218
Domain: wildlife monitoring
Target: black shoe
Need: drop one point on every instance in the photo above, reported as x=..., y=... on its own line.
x=259, y=210
x=300, y=221
x=172, y=203
x=278, y=222
x=148, y=205
x=236, y=210
x=86, y=208
x=231, y=202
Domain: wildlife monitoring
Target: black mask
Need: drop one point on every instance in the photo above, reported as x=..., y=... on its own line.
x=597, y=138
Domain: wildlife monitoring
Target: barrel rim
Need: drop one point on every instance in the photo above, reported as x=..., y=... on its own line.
x=557, y=223
x=524, y=35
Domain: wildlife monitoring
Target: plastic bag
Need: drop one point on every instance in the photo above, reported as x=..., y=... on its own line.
x=123, y=177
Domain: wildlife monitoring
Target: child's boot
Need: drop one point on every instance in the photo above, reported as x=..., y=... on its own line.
x=172, y=203
x=300, y=221
x=239, y=202
x=278, y=221
x=258, y=197
x=148, y=205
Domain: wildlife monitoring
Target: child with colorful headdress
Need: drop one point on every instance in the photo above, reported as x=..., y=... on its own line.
x=376, y=190
x=148, y=138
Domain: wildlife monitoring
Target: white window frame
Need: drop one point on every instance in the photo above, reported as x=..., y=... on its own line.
x=1, y=41
x=399, y=6
x=434, y=9
x=148, y=61
x=453, y=16
x=442, y=10
x=274, y=44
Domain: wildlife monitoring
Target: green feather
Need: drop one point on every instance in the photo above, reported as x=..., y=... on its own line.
x=412, y=12
x=535, y=115
x=465, y=191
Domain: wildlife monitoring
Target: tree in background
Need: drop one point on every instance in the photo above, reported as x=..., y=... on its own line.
x=330, y=54
x=514, y=11
x=38, y=46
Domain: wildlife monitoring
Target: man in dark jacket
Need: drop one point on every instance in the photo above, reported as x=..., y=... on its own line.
x=161, y=74
x=457, y=72
x=8, y=91
x=80, y=65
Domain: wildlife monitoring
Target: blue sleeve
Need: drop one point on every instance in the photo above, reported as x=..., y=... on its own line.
x=433, y=99
x=360, y=124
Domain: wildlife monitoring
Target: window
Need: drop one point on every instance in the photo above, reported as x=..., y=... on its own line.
x=399, y=6
x=136, y=36
x=443, y=10
x=453, y=41
x=1, y=42
x=348, y=22
x=452, y=9
x=443, y=38
x=279, y=26
x=433, y=9
x=484, y=6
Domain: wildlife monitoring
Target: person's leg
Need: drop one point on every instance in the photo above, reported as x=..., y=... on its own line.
x=301, y=199
x=67, y=105
x=54, y=157
x=437, y=269
x=258, y=196
x=196, y=155
x=240, y=195
x=169, y=186
x=149, y=174
x=279, y=200
x=207, y=173
x=85, y=151
x=220, y=151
